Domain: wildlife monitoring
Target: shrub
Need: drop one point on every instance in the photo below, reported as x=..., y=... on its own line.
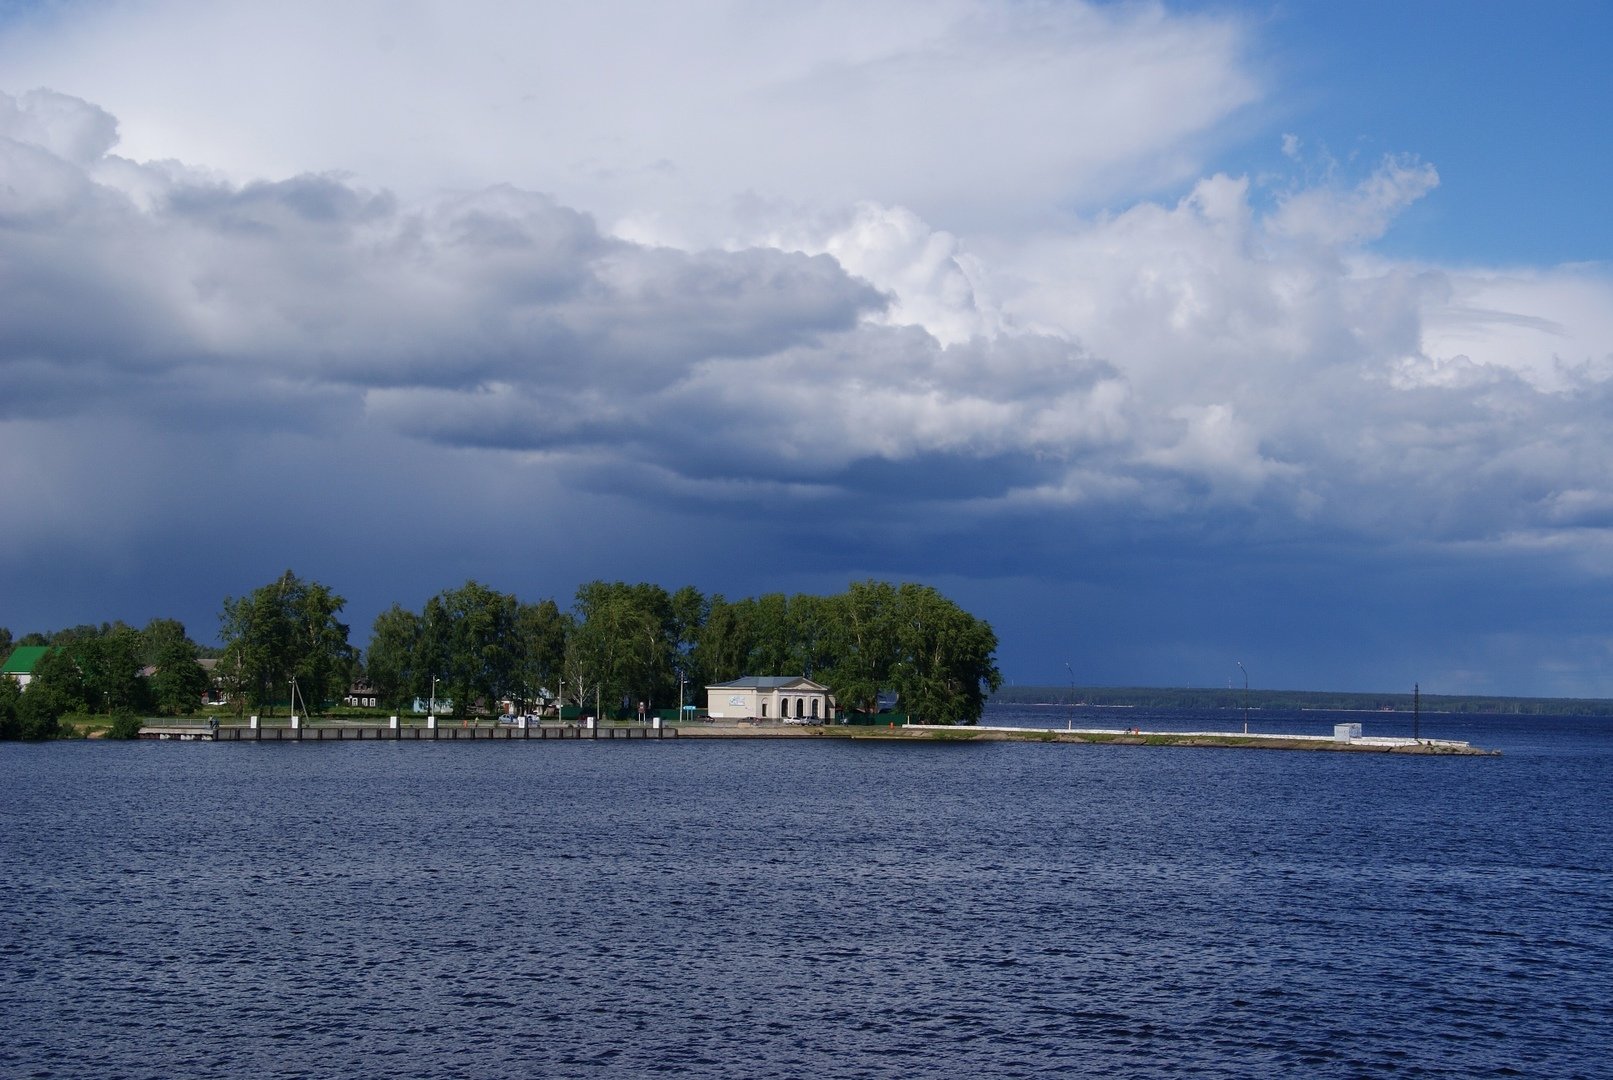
x=73, y=726
x=125, y=725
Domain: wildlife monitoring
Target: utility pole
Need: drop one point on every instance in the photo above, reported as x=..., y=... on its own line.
x=1245, y=695
x=1070, y=723
x=1416, y=710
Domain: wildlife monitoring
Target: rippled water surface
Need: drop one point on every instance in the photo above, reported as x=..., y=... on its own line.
x=802, y=909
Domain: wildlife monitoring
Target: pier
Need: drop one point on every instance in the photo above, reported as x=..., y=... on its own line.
x=396, y=733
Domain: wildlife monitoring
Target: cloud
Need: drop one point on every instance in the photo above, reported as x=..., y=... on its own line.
x=1191, y=358
x=782, y=296
x=1360, y=213
x=1552, y=328
x=964, y=110
x=502, y=319
x=315, y=279
x=932, y=279
x=62, y=126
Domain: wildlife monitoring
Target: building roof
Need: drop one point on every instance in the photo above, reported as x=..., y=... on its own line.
x=769, y=682
x=23, y=658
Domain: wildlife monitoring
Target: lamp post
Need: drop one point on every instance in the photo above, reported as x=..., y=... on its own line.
x=1245, y=695
x=431, y=710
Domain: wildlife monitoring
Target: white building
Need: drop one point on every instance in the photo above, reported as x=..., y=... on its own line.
x=796, y=699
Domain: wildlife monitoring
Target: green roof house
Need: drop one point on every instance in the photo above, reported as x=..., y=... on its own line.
x=22, y=661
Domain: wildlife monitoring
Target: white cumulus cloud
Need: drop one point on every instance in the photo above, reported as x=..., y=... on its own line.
x=892, y=269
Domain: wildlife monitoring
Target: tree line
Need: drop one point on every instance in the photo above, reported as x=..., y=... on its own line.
x=98, y=670
x=617, y=644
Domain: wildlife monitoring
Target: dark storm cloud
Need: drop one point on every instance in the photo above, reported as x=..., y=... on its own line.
x=500, y=319
x=118, y=276
x=1185, y=408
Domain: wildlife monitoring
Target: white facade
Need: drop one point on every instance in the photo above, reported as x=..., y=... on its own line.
x=797, y=700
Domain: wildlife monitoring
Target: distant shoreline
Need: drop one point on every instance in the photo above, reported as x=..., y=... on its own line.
x=1211, y=699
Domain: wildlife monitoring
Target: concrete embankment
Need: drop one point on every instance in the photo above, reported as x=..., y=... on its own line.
x=1231, y=739
x=776, y=730
x=1114, y=736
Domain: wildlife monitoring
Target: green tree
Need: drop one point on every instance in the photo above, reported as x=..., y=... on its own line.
x=323, y=657
x=582, y=667
x=862, y=640
x=597, y=647
x=258, y=641
x=158, y=636
x=392, y=656
x=541, y=630
x=238, y=683
x=472, y=639
x=179, y=682
x=109, y=663
x=125, y=725
x=622, y=645
x=652, y=659
x=812, y=638
x=724, y=642
x=10, y=696
x=56, y=690
x=85, y=632
x=945, y=665
x=772, y=636
x=282, y=631
x=689, y=612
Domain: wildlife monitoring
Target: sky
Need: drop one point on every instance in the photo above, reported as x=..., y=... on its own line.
x=1162, y=336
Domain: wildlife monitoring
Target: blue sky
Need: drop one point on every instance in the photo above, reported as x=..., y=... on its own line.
x=1500, y=96
x=1161, y=336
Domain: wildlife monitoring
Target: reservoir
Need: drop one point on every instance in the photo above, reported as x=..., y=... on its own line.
x=754, y=908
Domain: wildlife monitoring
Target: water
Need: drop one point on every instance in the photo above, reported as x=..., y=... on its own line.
x=799, y=909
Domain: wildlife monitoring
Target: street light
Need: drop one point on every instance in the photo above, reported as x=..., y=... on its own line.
x=431, y=710
x=1245, y=695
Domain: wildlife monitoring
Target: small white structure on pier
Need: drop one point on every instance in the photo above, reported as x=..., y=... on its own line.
x=794, y=698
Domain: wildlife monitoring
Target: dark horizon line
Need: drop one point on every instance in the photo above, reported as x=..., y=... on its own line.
x=1058, y=694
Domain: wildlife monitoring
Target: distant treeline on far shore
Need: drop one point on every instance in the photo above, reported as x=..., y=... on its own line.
x=1150, y=697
